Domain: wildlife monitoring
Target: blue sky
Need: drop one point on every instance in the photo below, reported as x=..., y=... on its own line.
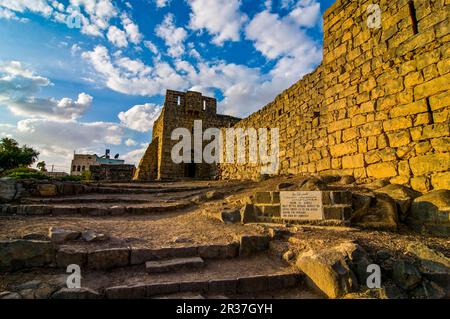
x=87, y=75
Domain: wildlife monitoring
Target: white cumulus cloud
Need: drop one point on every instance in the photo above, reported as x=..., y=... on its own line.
x=173, y=36
x=140, y=117
x=18, y=87
x=221, y=18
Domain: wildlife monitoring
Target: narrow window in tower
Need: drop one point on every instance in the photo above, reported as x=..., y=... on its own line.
x=178, y=100
x=204, y=105
x=413, y=14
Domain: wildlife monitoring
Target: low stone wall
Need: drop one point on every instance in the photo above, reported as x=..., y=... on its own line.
x=266, y=207
x=13, y=190
x=112, y=173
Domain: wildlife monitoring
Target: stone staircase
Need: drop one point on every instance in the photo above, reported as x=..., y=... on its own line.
x=107, y=200
x=131, y=273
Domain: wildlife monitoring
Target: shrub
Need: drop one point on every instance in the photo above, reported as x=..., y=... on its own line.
x=29, y=175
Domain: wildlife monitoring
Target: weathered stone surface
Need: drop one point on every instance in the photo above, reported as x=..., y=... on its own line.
x=138, y=291
x=382, y=170
x=212, y=195
x=248, y=214
x=142, y=255
x=277, y=233
x=223, y=286
x=430, y=213
x=312, y=184
x=9, y=190
x=70, y=256
x=10, y=295
x=282, y=281
x=429, y=290
x=59, y=235
x=80, y=293
x=230, y=216
x=218, y=251
x=190, y=286
x=285, y=185
x=432, y=264
x=378, y=212
x=20, y=254
x=335, y=270
x=250, y=245
x=347, y=180
x=403, y=197
x=161, y=289
x=93, y=236
x=33, y=284
x=252, y=284
x=36, y=236
x=288, y=256
x=379, y=183
x=108, y=258
x=405, y=274
x=173, y=264
x=198, y=199
x=430, y=164
x=47, y=190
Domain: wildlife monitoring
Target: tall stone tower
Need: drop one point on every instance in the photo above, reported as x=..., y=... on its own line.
x=180, y=111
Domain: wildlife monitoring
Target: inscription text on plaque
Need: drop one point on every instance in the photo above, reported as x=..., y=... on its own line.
x=301, y=205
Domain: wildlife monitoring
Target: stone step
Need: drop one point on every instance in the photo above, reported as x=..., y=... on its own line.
x=228, y=277
x=84, y=200
x=138, y=190
x=24, y=254
x=91, y=209
x=173, y=264
x=226, y=286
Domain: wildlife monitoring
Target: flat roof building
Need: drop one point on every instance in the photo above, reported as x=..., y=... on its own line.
x=82, y=162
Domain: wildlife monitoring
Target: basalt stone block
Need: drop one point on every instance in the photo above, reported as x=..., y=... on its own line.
x=71, y=256
x=252, y=284
x=9, y=190
x=251, y=244
x=59, y=235
x=173, y=264
x=218, y=251
x=161, y=289
x=282, y=281
x=20, y=254
x=47, y=190
x=142, y=255
x=223, y=286
x=230, y=216
x=263, y=198
x=108, y=258
x=248, y=214
x=126, y=292
x=197, y=286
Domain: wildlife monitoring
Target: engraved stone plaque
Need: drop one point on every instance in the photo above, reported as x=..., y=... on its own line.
x=302, y=205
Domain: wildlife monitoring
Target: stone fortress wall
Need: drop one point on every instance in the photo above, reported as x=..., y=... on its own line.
x=180, y=111
x=378, y=105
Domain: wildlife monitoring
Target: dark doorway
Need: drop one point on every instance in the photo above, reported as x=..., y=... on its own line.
x=190, y=170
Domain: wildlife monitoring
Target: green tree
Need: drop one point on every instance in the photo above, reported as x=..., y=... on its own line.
x=13, y=156
x=41, y=166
